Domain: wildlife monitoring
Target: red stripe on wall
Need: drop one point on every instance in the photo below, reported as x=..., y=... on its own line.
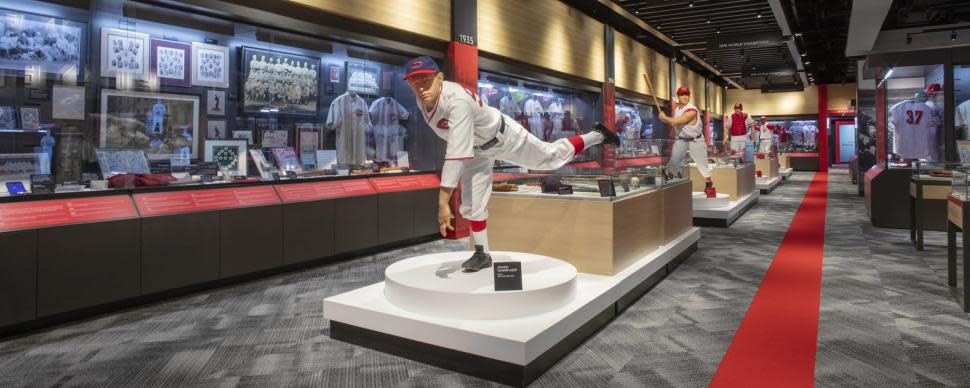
x=775, y=344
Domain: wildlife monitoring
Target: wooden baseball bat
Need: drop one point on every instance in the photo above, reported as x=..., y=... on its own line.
x=652, y=94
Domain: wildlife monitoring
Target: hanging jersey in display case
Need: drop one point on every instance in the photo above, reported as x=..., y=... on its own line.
x=386, y=116
x=350, y=119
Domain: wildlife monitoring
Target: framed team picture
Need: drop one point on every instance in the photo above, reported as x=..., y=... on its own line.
x=42, y=43
x=215, y=102
x=67, y=102
x=124, y=53
x=229, y=155
x=216, y=129
x=114, y=162
x=171, y=62
x=30, y=118
x=210, y=65
x=275, y=82
x=159, y=123
x=8, y=117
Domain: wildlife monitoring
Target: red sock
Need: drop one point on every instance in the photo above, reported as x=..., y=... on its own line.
x=578, y=143
x=476, y=226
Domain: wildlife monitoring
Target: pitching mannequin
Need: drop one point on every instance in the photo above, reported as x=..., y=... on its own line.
x=690, y=136
x=477, y=135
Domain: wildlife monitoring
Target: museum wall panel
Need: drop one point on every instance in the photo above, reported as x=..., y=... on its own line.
x=633, y=60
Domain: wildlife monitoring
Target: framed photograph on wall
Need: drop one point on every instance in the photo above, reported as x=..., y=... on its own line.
x=30, y=118
x=22, y=166
x=8, y=117
x=210, y=65
x=275, y=82
x=229, y=155
x=120, y=161
x=161, y=124
x=275, y=138
x=42, y=44
x=171, y=62
x=963, y=150
x=67, y=102
x=124, y=53
x=215, y=102
x=216, y=129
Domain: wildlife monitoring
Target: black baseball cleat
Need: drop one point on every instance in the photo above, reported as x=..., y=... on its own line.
x=479, y=261
x=609, y=137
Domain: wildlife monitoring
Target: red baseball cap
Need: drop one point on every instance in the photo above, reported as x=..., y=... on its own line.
x=420, y=65
x=738, y=106
x=682, y=91
x=931, y=89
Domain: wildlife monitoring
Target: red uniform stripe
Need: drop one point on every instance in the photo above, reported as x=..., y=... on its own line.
x=775, y=345
x=578, y=144
x=477, y=226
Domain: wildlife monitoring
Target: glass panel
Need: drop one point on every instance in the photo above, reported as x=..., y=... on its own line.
x=961, y=116
x=90, y=95
x=914, y=115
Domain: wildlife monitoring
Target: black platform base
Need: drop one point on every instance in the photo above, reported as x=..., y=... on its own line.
x=491, y=369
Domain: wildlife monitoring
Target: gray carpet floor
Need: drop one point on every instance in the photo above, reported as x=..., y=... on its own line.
x=886, y=319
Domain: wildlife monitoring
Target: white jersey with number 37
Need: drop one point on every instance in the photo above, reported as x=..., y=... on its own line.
x=914, y=130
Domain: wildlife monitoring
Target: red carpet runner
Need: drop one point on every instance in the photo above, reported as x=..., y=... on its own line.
x=775, y=345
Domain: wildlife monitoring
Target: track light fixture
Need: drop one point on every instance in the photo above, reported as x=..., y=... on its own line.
x=953, y=35
x=690, y=4
x=909, y=38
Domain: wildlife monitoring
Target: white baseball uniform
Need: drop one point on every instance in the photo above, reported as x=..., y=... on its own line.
x=386, y=115
x=914, y=130
x=555, y=111
x=765, y=139
x=468, y=125
x=348, y=116
x=534, y=110
x=962, y=118
x=508, y=106
x=689, y=136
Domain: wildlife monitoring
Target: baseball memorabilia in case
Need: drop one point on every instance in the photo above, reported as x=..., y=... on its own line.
x=287, y=160
x=122, y=161
x=67, y=102
x=42, y=43
x=229, y=155
x=171, y=62
x=216, y=129
x=277, y=82
x=266, y=169
x=210, y=65
x=124, y=53
x=161, y=124
x=22, y=166
x=308, y=140
x=244, y=134
x=362, y=78
x=30, y=118
x=275, y=138
x=215, y=102
x=8, y=117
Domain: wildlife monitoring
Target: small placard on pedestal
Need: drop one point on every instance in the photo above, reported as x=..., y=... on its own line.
x=508, y=276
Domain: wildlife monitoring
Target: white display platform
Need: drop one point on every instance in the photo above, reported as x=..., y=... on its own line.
x=785, y=172
x=701, y=201
x=435, y=285
x=767, y=185
x=518, y=341
x=726, y=215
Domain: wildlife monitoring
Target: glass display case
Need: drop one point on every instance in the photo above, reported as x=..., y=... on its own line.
x=721, y=154
x=636, y=121
x=959, y=184
x=112, y=91
x=798, y=135
x=914, y=115
x=935, y=170
x=961, y=114
x=591, y=180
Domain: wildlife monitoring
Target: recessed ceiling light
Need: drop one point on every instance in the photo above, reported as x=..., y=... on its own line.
x=759, y=15
x=808, y=62
x=953, y=35
x=708, y=20
x=690, y=4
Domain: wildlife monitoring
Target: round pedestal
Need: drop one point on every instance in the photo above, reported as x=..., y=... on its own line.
x=435, y=285
x=702, y=202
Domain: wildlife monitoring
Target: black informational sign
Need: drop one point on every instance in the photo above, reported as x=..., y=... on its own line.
x=777, y=71
x=464, y=21
x=606, y=188
x=508, y=276
x=754, y=40
x=41, y=184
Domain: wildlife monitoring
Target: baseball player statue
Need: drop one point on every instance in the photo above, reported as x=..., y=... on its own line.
x=690, y=135
x=477, y=135
x=741, y=126
x=765, y=136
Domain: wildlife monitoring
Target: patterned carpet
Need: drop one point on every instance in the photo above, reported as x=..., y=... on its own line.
x=887, y=320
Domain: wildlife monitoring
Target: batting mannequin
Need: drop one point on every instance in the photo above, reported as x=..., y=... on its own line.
x=765, y=136
x=477, y=135
x=690, y=136
x=741, y=126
